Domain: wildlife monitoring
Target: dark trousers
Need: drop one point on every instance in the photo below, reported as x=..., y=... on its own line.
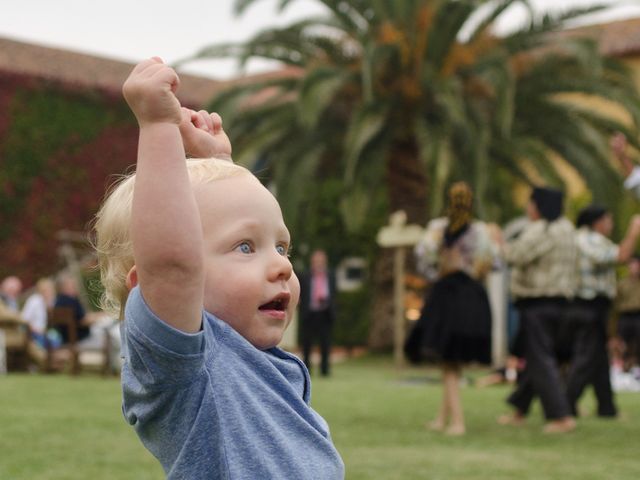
x=317, y=326
x=522, y=397
x=629, y=331
x=590, y=362
x=542, y=323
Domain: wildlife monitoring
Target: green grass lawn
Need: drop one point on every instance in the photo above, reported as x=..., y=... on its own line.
x=62, y=428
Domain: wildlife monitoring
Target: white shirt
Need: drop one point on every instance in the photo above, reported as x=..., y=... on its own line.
x=632, y=182
x=35, y=312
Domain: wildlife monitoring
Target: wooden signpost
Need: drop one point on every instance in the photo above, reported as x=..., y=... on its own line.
x=398, y=235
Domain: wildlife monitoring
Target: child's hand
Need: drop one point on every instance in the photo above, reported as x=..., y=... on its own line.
x=203, y=136
x=150, y=93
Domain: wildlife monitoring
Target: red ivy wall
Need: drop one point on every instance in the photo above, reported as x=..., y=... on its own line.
x=59, y=149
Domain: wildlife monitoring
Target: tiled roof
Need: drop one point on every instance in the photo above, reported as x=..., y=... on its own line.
x=621, y=38
x=617, y=39
x=91, y=71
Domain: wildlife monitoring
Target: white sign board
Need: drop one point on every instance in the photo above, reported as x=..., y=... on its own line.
x=398, y=234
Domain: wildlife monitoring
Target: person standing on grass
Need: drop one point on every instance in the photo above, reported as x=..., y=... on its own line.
x=628, y=308
x=455, y=322
x=194, y=256
x=317, y=309
x=597, y=260
x=543, y=280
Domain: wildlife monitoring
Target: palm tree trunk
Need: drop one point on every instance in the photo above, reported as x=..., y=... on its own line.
x=407, y=189
x=407, y=182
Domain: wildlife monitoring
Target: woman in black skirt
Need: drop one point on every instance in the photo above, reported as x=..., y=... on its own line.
x=454, y=328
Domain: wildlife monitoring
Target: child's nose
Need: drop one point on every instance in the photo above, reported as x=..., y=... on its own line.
x=280, y=268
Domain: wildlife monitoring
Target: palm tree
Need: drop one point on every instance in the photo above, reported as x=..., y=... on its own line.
x=405, y=96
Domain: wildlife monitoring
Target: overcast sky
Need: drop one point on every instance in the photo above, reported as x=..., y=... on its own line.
x=135, y=29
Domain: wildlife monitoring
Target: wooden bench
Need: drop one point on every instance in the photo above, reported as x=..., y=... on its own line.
x=77, y=356
x=16, y=339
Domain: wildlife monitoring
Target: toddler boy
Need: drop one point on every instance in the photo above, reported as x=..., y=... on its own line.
x=198, y=250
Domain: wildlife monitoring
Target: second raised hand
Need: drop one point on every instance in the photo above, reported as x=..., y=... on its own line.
x=203, y=135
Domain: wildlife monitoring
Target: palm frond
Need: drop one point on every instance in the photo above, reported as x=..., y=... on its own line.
x=350, y=16
x=365, y=124
x=449, y=19
x=560, y=20
x=301, y=165
x=241, y=5
x=380, y=74
x=581, y=145
x=492, y=16
x=319, y=87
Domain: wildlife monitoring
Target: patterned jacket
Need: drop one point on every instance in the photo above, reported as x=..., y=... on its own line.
x=597, y=259
x=543, y=260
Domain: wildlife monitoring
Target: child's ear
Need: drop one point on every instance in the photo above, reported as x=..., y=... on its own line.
x=132, y=278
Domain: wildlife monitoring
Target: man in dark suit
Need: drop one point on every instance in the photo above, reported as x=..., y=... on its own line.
x=317, y=309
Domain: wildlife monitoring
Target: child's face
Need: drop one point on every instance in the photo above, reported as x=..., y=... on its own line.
x=604, y=224
x=532, y=211
x=249, y=282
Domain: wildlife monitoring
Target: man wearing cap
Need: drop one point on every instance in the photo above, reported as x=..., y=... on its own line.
x=597, y=260
x=543, y=280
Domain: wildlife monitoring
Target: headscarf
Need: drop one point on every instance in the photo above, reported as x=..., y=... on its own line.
x=459, y=212
x=549, y=202
x=591, y=214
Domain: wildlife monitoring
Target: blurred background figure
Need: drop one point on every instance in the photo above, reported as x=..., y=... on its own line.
x=543, y=279
x=631, y=171
x=35, y=313
x=96, y=330
x=68, y=296
x=455, y=324
x=628, y=308
x=597, y=260
x=317, y=309
x=10, y=289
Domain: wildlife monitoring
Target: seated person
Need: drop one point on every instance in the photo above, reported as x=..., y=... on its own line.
x=92, y=327
x=10, y=289
x=35, y=313
x=67, y=287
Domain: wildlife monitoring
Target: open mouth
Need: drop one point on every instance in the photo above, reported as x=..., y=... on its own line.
x=278, y=304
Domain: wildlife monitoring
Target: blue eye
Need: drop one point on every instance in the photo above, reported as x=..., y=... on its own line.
x=244, y=247
x=282, y=250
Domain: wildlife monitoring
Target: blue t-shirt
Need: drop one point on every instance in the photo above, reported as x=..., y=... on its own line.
x=212, y=406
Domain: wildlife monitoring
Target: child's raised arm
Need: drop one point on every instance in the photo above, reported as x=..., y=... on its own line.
x=165, y=226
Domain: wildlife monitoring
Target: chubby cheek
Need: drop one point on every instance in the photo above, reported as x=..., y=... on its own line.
x=294, y=290
x=216, y=300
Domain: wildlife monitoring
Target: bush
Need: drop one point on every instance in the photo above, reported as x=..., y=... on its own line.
x=353, y=318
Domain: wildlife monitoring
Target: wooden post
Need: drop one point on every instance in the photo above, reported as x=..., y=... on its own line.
x=3, y=354
x=398, y=306
x=497, y=290
x=398, y=236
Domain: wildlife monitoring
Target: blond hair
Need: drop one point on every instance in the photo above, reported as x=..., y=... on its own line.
x=112, y=226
